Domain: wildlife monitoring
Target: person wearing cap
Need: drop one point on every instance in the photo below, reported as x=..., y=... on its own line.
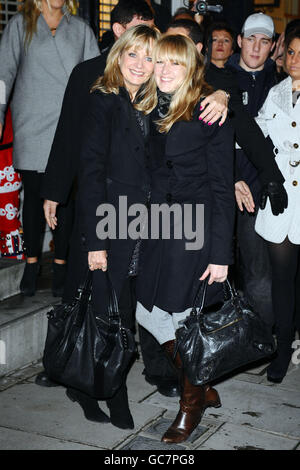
x=255, y=75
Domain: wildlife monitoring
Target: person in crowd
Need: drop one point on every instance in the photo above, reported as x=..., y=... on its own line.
x=39, y=48
x=255, y=75
x=248, y=134
x=279, y=119
x=221, y=43
x=191, y=163
x=11, y=242
x=162, y=15
x=124, y=15
x=58, y=187
x=183, y=13
x=112, y=165
x=65, y=155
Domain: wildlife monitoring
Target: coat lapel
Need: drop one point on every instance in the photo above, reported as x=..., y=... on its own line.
x=132, y=130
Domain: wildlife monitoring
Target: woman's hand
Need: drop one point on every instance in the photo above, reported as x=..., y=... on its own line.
x=217, y=272
x=50, y=213
x=97, y=260
x=279, y=48
x=216, y=107
x=243, y=196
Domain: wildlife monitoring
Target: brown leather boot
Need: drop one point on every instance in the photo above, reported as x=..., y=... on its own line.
x=194, y=401
x=211, y=395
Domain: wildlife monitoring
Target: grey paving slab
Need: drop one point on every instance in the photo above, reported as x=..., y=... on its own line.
x=264, y=407
x=49, y=412
x=11, y=439
x=233, y=437
x=138, y=388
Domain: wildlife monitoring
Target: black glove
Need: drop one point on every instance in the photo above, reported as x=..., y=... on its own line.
x=278, y=197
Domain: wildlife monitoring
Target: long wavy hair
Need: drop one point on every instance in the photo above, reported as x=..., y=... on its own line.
x=137, y=37
x=182, y=50
x=31, y=10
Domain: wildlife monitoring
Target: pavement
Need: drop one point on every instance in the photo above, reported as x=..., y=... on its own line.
x=255, y=415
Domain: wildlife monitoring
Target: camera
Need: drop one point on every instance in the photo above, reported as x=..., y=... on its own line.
x=203, y=7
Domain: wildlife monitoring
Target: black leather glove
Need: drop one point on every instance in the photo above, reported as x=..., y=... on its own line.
x=278, y=197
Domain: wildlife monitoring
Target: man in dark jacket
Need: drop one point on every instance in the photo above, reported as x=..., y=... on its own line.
x=255, y=75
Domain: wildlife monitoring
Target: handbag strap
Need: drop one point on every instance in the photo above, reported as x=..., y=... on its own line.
x=84, y=292
x=200, y=296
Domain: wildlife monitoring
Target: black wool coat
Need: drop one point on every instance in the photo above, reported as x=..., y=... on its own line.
x=112, y=164
x=192, y=164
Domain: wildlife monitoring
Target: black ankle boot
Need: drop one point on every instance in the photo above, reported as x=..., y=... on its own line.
x=279, y=366
x=120, y=415
x=89, y=405
x=58, y=280
x=28, y=282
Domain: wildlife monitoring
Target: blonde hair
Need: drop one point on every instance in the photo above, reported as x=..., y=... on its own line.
x=31, y=10
x=137, y=37
x=182, y=50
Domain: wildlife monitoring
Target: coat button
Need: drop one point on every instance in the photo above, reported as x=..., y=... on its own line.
x=169, y=197
x=137, y=149
x=169, y=164
x=295, y=183
x=296, y=146
x=294, y=124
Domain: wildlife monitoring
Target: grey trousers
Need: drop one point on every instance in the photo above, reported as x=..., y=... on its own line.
x=161, y=324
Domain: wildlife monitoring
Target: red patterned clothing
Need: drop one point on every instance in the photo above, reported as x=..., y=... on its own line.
x=10, y=184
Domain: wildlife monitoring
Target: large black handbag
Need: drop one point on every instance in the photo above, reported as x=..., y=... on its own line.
x=86, y=352
x=221, y=340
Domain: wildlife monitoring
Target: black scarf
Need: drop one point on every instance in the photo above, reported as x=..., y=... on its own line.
x=163, y=104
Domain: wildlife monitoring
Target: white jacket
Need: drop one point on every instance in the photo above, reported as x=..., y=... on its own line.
x=281, y=121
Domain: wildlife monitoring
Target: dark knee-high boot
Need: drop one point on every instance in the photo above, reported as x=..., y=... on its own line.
x=194, y=401
x=89, y=405
x=118, y=405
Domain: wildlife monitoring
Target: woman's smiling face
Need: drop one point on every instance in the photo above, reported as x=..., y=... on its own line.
x=136, y=67
x=169, y=75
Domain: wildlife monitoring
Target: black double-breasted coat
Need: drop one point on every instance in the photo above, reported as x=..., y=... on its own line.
x=112, y=164
x=192, y=164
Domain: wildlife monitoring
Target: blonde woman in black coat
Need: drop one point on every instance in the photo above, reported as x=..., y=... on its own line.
x=192, y=165
x=112, y=165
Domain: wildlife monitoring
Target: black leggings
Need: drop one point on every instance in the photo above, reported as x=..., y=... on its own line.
x=285, y=261
x=34, y=220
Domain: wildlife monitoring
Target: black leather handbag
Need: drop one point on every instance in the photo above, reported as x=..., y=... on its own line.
x=86, y=352
x=220, y=341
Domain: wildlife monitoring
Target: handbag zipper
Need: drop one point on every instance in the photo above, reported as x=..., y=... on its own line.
x=225, y=326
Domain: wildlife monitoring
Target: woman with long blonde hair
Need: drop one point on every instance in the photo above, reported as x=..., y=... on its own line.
x=113, y=168
x=191, y=168
x=39, y=47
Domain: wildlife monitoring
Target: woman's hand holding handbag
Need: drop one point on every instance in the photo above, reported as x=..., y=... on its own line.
x=220, y=341
x=85, y=352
